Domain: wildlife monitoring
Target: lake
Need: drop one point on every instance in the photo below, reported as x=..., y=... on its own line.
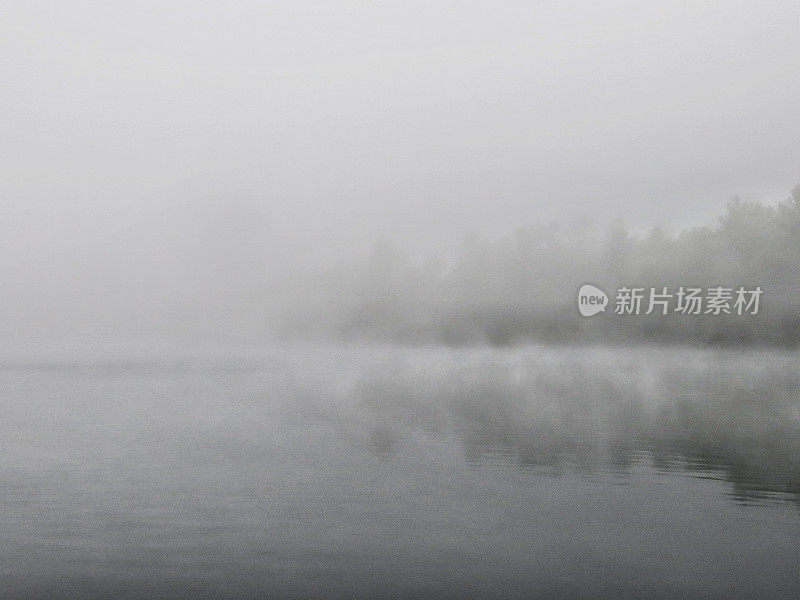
x=371, y=472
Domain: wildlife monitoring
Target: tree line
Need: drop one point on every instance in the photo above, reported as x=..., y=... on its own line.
x=523, y=287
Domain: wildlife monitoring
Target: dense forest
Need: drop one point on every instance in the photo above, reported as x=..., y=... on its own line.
x=522, y=288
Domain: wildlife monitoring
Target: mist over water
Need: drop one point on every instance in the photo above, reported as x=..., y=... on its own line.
x=288, y=300
x=343, y=471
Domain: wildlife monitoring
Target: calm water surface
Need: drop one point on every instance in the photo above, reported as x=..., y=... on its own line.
x=378, y=472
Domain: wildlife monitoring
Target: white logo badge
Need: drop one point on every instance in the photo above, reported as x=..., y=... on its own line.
x=591, y=300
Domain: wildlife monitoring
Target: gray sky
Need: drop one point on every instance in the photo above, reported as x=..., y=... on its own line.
x=345, y=121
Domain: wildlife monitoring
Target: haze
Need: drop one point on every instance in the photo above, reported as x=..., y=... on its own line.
x=339, y=123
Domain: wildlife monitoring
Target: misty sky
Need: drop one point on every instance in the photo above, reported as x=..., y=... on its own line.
x=345, y=121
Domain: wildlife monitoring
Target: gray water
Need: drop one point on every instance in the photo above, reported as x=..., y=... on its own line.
x=343, y=472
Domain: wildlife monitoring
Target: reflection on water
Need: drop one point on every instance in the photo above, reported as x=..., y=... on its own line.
x=735, y=417
x=339, y=472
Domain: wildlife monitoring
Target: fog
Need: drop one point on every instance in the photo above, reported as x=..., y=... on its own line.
x=346, y=121
x=160, y=155
x=288, y=299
